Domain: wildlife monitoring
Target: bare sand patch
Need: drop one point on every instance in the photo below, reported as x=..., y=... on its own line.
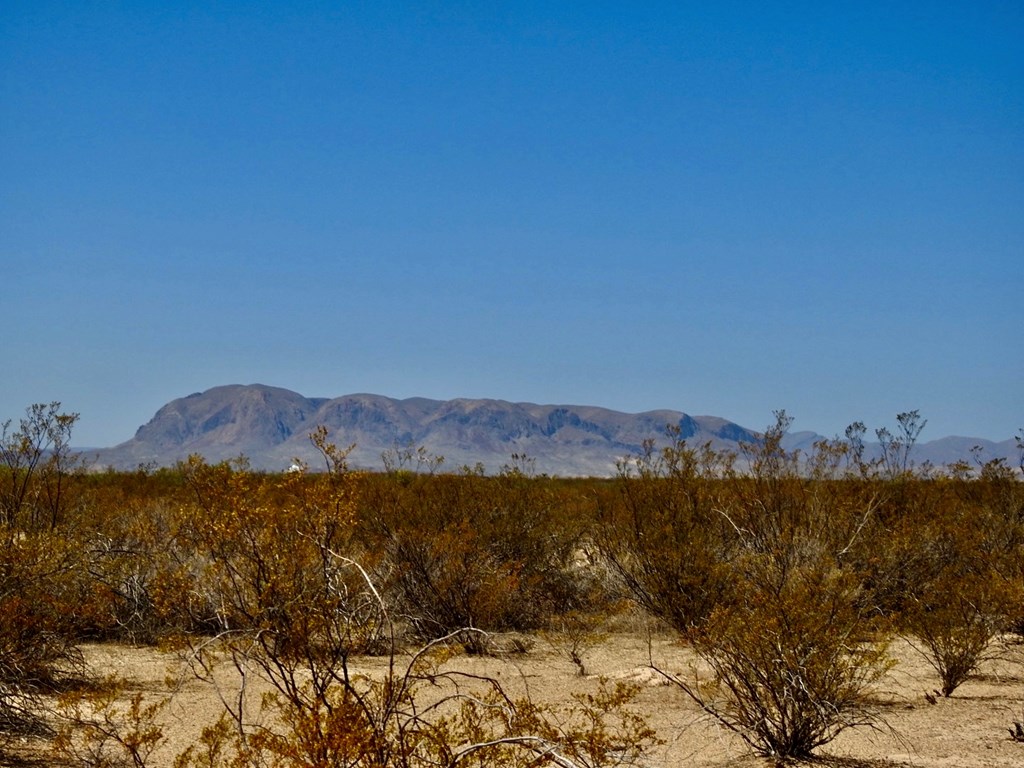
x=970, y=729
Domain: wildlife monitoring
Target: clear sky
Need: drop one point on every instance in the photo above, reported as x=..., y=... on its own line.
x=724, y=208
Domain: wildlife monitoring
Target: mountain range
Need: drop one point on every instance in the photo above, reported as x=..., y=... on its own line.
x=271, y=426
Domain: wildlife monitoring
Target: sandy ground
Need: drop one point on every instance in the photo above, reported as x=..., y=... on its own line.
x=970, y=729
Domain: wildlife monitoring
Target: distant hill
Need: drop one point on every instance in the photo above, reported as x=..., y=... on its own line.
x=271, y=427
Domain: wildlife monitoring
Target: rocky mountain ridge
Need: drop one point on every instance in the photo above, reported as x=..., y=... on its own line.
x=271, y=427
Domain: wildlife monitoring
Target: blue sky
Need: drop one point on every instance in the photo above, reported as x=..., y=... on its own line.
x=723, y=208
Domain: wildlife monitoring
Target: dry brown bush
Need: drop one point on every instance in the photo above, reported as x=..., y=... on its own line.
x=792, y=660
x=752, y=570
x=466, y=550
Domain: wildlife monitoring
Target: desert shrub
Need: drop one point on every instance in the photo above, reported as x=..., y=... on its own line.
x=757, y=572
x=897, y=447
x=143, y=580
x=449, y=579
x=43, y=570
x=954, y=622
x=792, y=660
x=592, y=730
x=125, y=525
x=36, y=467
x=664, y=534
x=100, y=726
x=112, y=528
x=423, y=713
x=467, y=550
x=272, y=557
x=888, y=554
x=38, y=574
x=1000, y=493
x=967, y=590
x=941, y=557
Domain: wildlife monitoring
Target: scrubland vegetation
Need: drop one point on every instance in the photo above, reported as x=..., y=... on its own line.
x=788, y=575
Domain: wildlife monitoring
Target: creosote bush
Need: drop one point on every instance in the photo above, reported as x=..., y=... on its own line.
x=968, y=587
x=101, y=726
x=792, y=665
x=39, y=575
x=753, y=571
x=466, y=550
x=43, y=573
x=664, y=534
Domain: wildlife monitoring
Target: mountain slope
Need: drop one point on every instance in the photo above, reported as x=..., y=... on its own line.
x=271, y=427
